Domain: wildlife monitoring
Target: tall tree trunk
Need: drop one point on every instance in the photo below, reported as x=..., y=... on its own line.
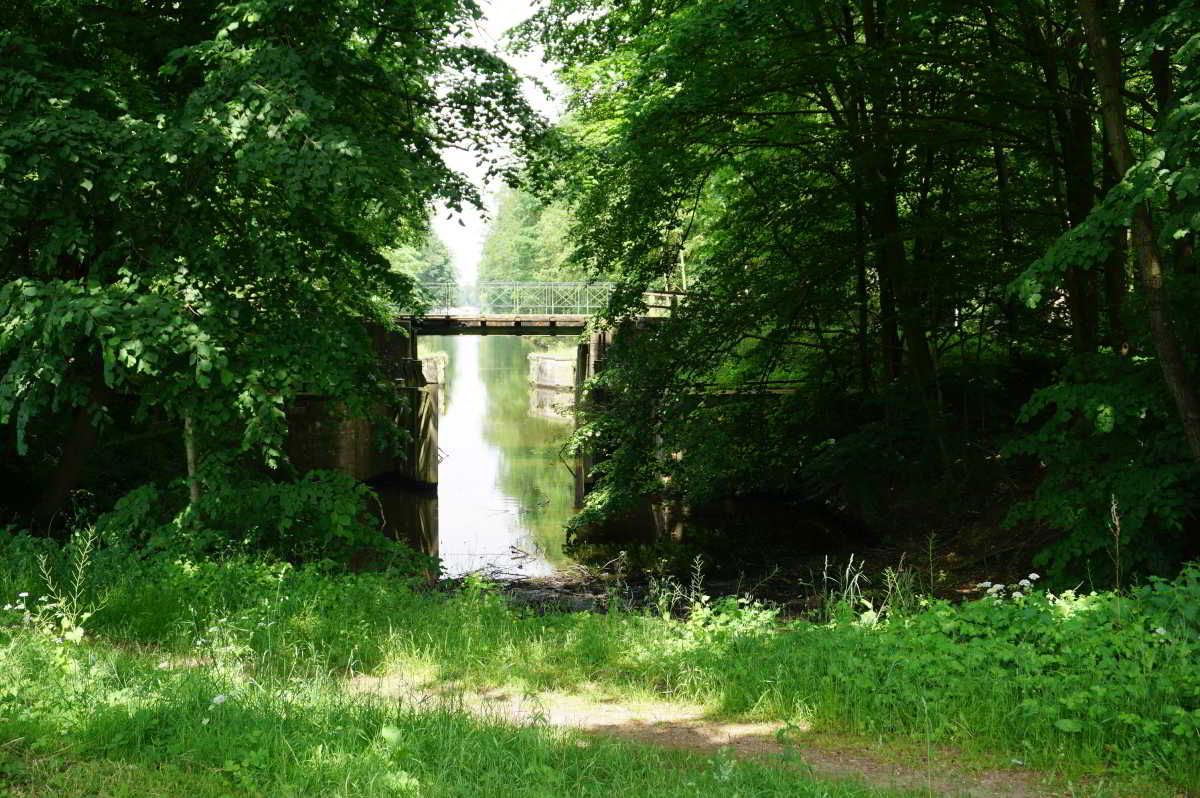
x=1115, y=277
x=1003, y=191
x=889, y=329
x=1106, y=59
x=81, y=438
x=894, y=263
x=862, y=295
x=189, y=447
x=882, y=181
x=1164, y=96
x=1073, y=124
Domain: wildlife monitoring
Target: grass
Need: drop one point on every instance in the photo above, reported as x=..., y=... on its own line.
x=93, y=719
x=1097, y=685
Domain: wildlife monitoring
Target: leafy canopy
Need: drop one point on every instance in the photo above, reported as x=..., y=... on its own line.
x=195, y=197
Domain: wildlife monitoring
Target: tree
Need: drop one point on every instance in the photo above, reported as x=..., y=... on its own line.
x=527, y=241
x=195, y=198
x=430, y=263
x=1106, y=57
x=859, y=193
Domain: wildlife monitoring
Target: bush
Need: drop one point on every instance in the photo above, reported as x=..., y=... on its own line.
x=1105, y=435
x=322, y=515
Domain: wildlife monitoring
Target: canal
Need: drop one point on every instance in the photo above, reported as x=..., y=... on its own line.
x=504, y=491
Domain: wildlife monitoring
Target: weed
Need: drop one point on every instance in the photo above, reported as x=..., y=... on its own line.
x=841, y=594
x=64, y=610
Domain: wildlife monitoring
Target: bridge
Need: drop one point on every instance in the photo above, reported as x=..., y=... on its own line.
x=519, y=308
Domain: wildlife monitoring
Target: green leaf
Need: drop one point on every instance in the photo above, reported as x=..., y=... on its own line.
x=1069, y=725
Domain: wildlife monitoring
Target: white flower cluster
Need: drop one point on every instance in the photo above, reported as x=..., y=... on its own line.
x=19, y=607
x=1016, y=591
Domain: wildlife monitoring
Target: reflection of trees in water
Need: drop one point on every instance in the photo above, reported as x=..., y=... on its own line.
x=530, y=469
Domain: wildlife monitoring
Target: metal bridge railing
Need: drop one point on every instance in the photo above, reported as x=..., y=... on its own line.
x=516, y=298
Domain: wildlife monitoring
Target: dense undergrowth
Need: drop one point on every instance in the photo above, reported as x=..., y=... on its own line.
x=1100, y=682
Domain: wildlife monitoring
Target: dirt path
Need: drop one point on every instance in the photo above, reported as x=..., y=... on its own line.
x=937, y=772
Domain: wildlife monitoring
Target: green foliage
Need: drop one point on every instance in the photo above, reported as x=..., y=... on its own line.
x=759, y=196
x=893, y=239
x=195, y=199
x=1101, y=680
x=429, y=263
x=1102, y=435
x=1041, y=656
x=527, y=241
x=200, y=731
x=1169, y=166
x=322, y=515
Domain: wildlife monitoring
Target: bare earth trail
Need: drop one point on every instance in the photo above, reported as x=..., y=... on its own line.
x=685, y=726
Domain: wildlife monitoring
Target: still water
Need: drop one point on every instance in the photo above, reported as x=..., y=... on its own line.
x=504, y=494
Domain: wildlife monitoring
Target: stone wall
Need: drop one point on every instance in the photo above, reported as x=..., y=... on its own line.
x=552, y=371
x=552, y=385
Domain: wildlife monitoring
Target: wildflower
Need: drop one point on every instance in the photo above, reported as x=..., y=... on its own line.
x=23, y=595
x=1025, y=583
x=162, y=666
x=9, y=607
x=1034, y=577
x=1017, y=594
x=984, y=584
x=204, y=722
x=1160, y=631
x=218, y=700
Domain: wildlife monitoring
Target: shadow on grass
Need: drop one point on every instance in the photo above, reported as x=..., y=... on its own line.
x=305, y=739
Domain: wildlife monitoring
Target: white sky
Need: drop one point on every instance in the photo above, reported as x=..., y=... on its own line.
x=466, y=240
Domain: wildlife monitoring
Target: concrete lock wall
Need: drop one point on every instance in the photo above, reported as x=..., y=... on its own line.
x=433, y=366
x=552, y=371
x=589, y=361
x=420, y=419
x=552, y=385
x=322, y=435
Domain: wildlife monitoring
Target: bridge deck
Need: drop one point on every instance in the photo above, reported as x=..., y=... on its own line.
x=500, y=324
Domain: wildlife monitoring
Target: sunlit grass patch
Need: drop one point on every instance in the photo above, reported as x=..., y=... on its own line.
x=108, y=722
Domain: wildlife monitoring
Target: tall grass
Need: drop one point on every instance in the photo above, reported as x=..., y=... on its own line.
x=1095, y=681
x=92, y=720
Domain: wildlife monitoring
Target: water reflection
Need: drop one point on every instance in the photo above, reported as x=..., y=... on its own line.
x=503, y=492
